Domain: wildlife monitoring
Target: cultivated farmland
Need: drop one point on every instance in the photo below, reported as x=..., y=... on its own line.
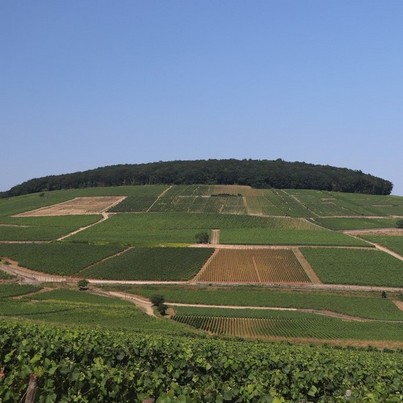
x=272, y=324
x=145, y=233
x=253, y=266
x=151, y=264
x=364, y=267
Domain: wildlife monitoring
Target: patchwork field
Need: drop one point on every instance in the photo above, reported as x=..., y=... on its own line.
x=180, y=228
x=253, y=266
x=146, y=238
x=362, y=305
x=75, y=308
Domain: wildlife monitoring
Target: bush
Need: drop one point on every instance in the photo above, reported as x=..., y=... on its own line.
x=157, y=300
x=202, y=237
x=399, y=224
x=162, y=308
x=83, y=285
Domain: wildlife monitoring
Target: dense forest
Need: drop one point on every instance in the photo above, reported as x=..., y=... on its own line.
x=256, y=173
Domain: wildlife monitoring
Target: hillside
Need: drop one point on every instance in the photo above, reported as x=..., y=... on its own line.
x=277, y=174
x=268, y=308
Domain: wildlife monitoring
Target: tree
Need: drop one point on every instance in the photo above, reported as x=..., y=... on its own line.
x=202, y=237
x=158, y=302
x=83, y=285
x=399, y=224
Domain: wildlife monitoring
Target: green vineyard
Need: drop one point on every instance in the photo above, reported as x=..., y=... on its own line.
x=73, y=365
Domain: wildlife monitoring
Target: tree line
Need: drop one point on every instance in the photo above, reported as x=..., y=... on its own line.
x=277, y=174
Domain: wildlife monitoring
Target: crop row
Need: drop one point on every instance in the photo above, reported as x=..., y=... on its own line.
x=285, y=324
x=355, y=266
x=256, y=266
x=57, y=258
x=370, y=305
x=151, y=264
x=93, y=365
x=169, y=228
x=42, y=228
x=394, y=243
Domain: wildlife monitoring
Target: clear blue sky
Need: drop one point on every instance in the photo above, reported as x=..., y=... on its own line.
x=90, y=83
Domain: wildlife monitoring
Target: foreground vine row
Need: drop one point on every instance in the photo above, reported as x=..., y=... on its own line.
x=95, y=366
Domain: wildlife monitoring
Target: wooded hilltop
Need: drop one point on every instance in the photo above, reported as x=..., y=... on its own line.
x=256, y=173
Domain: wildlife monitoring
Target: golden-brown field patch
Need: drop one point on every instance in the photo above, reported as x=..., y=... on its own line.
x=76, y=206
x=253, y=266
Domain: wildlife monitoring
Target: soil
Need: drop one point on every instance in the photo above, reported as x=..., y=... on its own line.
x=76, y=206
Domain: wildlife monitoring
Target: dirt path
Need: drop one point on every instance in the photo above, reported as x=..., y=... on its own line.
x=204, y=268
x=256, y=269
x=42, y=290
x=105, y=259
x=276, y=247
x=34, y=276
x=306, y=266
x=381, y=248
x=143, y=303
x=215, y=237
x=300, y=202
x=105, y=216
x=375, y=231
x=159, y=197
x=399, y=304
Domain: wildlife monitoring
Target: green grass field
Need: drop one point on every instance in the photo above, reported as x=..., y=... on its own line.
x=171, y=228
x=151, y=264
x=42, y=228
x=148, y=219
x=70, y=307
x=362, y=267
x=340, y=224
x=394, y=243
x=266, y=324
x=140, y=198
x=323, y=203
x=371, y=306
x=15, y=290
x=57, y=258
x=15, y=205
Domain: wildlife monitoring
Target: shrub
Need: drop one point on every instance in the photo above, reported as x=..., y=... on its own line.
x=202, y=237
x=157, y=300
x=83, y=285
x=399, y=224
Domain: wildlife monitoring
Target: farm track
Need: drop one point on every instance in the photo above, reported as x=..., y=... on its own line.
x=29, y=275
x=306, y=266
x=142, y=303
x=105, y=216
x=159, y=197
x=105, y=259
x=277, y=247
x=375, y=231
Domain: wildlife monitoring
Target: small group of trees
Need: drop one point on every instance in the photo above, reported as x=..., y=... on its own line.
x=159, y=302
x=399, y=224
x=202, y=237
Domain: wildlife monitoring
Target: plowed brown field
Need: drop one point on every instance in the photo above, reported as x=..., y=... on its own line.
x=76, y=206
